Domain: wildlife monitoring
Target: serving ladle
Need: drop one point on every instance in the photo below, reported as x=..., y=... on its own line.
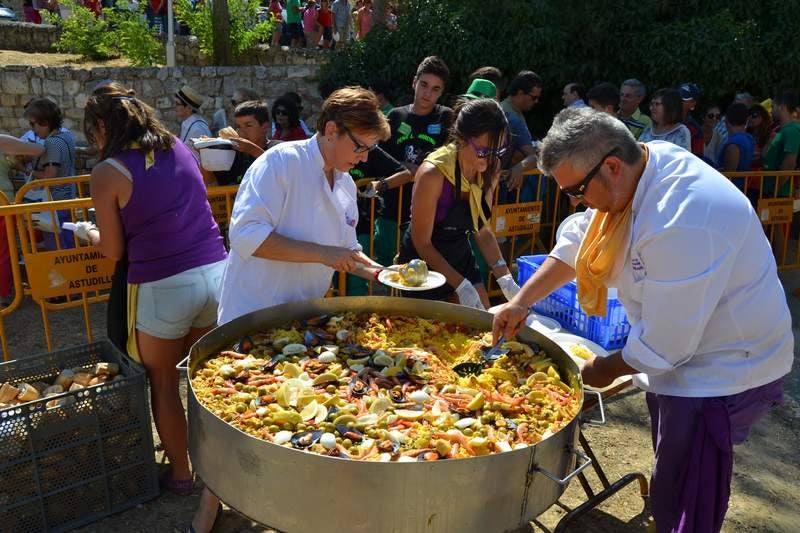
x=489, y=354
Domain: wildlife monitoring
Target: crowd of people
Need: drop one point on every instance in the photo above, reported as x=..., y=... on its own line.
x=296, y=221
x=323, y=24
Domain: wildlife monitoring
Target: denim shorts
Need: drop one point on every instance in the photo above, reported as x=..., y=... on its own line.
x=169, y=307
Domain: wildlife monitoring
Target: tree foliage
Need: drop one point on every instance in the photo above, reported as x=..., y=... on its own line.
x=723, y=47
x=120, y=32
x=245, y=28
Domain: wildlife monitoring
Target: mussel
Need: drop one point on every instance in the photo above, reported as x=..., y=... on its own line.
x=358, y=387
x=245, y=345
x=388, y=446
x=397, y=395
x=315, y=337
x=350, y=433
x=304, y=439
x=316, y=320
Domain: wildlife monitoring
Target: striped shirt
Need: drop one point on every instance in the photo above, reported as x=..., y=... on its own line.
x=59, y=151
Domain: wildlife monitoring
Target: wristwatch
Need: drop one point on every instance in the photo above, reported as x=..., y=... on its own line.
x=500, y=262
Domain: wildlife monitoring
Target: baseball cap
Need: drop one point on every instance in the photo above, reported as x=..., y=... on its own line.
x=689, y=91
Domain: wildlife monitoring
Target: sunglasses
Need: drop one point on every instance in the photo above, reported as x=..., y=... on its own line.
x=755, y=114
x=359, y=148
x=483, y=153
x=281, y=112
x=577, y=191
x=712, y=115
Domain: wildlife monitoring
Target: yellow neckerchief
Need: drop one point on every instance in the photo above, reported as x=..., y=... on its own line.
x=605, y=239
x=149, y=157
x=445, y=159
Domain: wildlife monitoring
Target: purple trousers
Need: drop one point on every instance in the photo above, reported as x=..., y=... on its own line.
x=693, y=441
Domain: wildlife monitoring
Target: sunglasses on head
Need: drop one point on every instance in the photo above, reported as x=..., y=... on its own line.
x=483, y=153
x=577, y=190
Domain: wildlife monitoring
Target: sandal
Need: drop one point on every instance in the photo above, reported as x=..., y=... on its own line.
x=181, y=487
x=213, y=525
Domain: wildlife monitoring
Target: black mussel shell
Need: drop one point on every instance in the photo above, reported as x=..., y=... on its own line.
x=304, y=439
x=388, y=446
x=536, y=348
x=316, y=320
x=271, y=364
x=468, y=369
x=358, y=387
x=350, y=433
x=245, y=345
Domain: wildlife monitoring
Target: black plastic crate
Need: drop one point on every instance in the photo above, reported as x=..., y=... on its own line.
x=67, y=466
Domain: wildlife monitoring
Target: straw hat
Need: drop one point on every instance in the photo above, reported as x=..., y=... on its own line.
x=190, y=97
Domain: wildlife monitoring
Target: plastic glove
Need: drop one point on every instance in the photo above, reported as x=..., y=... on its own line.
x=82, y=229
x=508, y=286
x=468, y=295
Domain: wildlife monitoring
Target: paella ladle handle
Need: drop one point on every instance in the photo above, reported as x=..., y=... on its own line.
x=183, y=365
x=578, y=468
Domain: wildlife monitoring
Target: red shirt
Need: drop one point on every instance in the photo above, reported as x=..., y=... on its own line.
x=294, y=134
x=325, y=18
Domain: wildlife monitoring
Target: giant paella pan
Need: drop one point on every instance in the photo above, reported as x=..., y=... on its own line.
x=343, y=414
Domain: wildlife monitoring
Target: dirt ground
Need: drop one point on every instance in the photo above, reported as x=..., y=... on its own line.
x=13, y=57
x=764, y=493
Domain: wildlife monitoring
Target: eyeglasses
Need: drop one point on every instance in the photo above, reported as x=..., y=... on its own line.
x=281, y=112
x=483, y=153
x=712, y=115
x=359, y=148
x=655, y=103
x=576, y=191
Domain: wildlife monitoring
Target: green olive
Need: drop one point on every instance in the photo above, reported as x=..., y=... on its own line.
x=467, y=432
x=262, y=391
x=347, y=443
x=268, y=420
x=355, y=450
x=241, y=408
x=301, y=426
x=330, y=389
x=274, y=429
x=238, y=386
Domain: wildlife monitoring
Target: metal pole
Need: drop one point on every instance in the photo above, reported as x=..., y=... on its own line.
x=170, y=48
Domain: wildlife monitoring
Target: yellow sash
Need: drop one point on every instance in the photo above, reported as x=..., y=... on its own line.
x=133, y=346
x=605, y=239
x=444, y=159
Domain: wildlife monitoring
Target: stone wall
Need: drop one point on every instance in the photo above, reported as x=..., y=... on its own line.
x=26, y=37
x=70, y=88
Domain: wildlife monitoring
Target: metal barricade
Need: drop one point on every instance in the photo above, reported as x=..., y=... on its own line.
x=80, y=276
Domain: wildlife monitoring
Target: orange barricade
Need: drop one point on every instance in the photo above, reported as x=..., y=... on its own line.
x=81, y=276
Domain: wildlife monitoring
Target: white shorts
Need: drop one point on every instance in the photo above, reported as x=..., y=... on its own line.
x=169, y=307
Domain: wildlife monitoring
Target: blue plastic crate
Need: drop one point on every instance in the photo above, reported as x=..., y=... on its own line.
x=610, y=331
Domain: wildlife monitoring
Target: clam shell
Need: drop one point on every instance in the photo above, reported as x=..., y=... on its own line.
x=294, y=349
x=282, y=437
x=419, y=396
x=327, y=357
x=465, y=422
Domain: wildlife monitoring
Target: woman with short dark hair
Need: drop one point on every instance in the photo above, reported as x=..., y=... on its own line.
x=666, y=110
x=58, y=160
x=286, y=115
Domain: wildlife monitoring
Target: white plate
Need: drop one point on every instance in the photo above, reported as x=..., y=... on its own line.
x=434, y=280
x=567, y=340
x=542, y=324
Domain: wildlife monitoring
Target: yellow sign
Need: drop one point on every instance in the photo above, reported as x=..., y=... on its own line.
x=65, y=272
x=775, y=210
x=516, y=219
x=219, y=209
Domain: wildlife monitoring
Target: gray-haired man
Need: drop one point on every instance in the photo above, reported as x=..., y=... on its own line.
x=711, y=335
x=631, y=94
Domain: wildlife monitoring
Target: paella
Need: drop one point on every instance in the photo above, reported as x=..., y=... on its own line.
x=372, y=387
